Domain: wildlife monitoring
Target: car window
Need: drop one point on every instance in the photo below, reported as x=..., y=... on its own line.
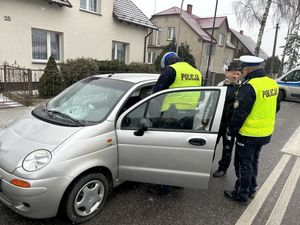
x=136, y=96
x=89, y=100
x=293, y=76
x=297, y=75
x=184, y=110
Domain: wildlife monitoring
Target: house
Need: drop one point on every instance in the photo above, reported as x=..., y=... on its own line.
x=32, y=30
x=245, y=45
x=196, y=32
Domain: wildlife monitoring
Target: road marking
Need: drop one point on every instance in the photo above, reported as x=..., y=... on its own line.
x=255, y=205
x=285, y=196
x=293, y=145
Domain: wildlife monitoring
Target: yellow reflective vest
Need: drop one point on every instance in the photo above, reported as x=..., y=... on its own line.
x=261, y=120
x=186, y=76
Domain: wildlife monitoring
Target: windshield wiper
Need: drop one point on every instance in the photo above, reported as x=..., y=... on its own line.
x=63, y=115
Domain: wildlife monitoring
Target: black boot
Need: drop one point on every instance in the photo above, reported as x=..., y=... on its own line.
x=219, y=173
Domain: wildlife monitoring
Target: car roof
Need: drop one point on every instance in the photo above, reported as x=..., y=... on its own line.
x=131, y=77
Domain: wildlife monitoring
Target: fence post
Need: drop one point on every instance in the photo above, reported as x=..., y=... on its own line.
x=30, y=82
x=5, y=74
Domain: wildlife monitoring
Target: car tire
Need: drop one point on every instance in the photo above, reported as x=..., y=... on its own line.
x=86, y=197
x=281, y=95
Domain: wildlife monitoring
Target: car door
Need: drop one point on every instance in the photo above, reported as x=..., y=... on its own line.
x=295, y=85
x=292, y=82
x=171, y=147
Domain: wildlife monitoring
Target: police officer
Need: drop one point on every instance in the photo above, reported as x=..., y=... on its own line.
x=252, y=124
x=176, y=74
x=232, y=82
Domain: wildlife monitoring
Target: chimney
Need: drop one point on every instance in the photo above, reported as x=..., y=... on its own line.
x=189, y=9
x=241, y=32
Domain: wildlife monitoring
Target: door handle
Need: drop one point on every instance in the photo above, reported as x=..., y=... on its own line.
x=197, y=141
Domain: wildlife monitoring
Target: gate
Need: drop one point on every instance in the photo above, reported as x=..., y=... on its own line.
x=17, y=85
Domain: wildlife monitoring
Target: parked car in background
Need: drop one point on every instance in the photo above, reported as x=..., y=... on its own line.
x=69, y=154
x=289, y=85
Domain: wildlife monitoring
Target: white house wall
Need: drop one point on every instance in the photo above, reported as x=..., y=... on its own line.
x=84, y=34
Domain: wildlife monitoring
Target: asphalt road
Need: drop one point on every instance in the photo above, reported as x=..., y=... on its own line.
x=130, y=204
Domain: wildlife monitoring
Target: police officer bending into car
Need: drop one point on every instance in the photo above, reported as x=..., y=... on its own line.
x=176, y=74
x=252, y=124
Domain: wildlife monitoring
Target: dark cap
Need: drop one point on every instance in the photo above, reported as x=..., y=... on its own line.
x=234, y=66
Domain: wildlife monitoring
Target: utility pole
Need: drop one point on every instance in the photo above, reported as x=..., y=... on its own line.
x=210, y=45
x=178, y=35
x=274, y=49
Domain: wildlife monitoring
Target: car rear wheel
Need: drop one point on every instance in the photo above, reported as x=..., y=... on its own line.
x=86, y=198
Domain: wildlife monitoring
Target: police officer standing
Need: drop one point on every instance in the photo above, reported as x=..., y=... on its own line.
x=252, y=124
x=176, y=74
x=232, y=82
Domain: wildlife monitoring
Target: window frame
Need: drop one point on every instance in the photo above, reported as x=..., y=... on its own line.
x=221, y=39
x=152, y=57
x=145, y=104
x=158, y=37
x=171, y=33
x=87, y=8
x=115, y=52
x=48, y=47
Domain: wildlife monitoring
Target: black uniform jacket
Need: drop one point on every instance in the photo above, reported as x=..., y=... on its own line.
x=245, y=100
x=165, y=80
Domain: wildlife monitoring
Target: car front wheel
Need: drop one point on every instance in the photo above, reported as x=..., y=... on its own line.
x=86, y=198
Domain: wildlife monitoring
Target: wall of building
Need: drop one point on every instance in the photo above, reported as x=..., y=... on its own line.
x=223, y=54
x=84, y=34
x=187, y=36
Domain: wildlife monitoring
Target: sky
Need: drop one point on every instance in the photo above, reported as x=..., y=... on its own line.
x=206, y=8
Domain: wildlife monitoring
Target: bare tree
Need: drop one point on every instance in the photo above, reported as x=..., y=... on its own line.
x=291, y=8
x=257, y=11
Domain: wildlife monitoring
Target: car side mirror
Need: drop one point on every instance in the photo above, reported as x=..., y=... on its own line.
x=144, y=124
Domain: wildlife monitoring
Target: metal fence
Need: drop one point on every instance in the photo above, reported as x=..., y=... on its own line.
x=17, y=83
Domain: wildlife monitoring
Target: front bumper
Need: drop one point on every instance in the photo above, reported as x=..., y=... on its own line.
x=41, y=200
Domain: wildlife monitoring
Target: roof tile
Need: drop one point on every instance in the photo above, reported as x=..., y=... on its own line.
x=126, y=10
x=249, y=43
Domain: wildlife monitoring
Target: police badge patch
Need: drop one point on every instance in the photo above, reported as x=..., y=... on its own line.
x=236, y=104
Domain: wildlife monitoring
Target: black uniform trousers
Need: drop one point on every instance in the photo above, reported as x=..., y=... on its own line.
x=228, y=143
x=246, y=167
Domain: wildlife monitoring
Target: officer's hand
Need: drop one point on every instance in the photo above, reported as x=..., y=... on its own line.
x=229, y=135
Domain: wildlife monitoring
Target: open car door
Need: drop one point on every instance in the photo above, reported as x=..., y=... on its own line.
x=174, y=146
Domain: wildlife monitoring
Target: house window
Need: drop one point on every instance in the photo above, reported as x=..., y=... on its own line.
x=150, y=40
x=119, y=50
x=171, y=33
x=89, y=5
x=45, y=44
x=221, y=39
x=213, y=49
x=158, y=37
x=151, y=57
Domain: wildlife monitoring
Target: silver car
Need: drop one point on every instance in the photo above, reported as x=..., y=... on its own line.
x=69, y=154
x=289, y=85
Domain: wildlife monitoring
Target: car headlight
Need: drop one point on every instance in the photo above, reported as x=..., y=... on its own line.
x=36, y=160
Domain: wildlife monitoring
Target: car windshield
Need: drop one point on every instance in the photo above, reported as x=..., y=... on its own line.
x=88, y=101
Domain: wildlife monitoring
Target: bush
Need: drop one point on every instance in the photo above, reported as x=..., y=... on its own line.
x=50, y=81
x=76, y=69
x=111, y=66
x=141, y=68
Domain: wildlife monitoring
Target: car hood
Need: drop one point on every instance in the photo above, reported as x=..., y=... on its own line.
x=26, y=135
